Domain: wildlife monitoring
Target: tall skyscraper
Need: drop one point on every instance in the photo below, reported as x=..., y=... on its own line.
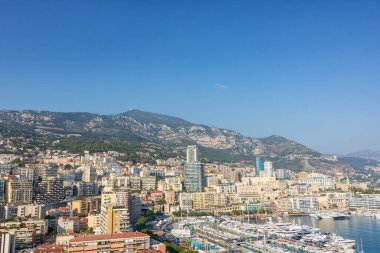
x=195, y=179
x=2, y=190
x=268, y=169
x=259, y=165
x=191, y=154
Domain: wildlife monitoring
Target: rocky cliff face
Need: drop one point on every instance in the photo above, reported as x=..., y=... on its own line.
x=145, y=127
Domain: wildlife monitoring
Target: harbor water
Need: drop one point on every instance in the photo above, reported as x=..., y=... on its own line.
x=359, y=228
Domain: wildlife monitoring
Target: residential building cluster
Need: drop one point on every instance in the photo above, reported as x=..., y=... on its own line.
x=87, y=203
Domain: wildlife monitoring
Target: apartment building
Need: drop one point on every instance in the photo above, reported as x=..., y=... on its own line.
x=28, y=233
x=49, y=190
x=323, y=182
x=115, y=219
x=119, y=210
x=85, y=205
x=365, y=203
x=170, y=197
x=8, y=242
x=149, y=183
x=18, y=192
x=208, y=200
x=185, y=201
x=35, y=211
x=304, y=204
x=89, y=174
x=93, y=220
x=131, y=242
x=68, y=225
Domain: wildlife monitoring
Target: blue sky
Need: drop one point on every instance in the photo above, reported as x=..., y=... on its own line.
x=306, y=70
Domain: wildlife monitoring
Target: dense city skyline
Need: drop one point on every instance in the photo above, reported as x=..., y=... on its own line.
x=189, y=126
x=308, y=72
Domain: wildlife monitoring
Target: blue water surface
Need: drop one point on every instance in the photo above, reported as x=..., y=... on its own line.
x=359, y=228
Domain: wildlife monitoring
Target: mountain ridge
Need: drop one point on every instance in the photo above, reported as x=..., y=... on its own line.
x=366, y=154
x=141, y=126
x=145, y=137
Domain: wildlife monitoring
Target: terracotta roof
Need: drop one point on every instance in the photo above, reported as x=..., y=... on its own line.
x=87, y=238
x=51, y=248
x=149, y=251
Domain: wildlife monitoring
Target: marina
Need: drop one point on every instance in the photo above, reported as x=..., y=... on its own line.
x=227, y=235
x=365, y=230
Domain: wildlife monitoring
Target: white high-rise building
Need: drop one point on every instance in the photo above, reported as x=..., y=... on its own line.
x=27, y=174
x=8, y=242
x=89, y=174
x=268, y=169
x=191, y=154
x=304, y=204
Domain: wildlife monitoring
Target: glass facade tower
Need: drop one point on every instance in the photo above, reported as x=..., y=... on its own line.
x=195, y=179
x=259, y=165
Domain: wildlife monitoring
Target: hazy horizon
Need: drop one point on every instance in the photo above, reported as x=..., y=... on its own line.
x=307, y=71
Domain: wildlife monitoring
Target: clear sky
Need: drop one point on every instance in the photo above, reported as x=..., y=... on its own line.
x=306, y=70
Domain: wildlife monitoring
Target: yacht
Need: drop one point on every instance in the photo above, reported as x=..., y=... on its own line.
x=326, y=216
x=340, y=216
x=314, y=215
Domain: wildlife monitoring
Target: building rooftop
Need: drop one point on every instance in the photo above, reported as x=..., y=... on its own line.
x=87, y=238
x=51, y=248
x=149, y=251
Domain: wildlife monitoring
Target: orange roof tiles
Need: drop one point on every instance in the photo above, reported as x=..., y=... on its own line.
x=51, y=248
x=87, y=238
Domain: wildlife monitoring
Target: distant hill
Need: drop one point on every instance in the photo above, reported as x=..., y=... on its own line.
x=281, y=146
x=358, y=163
x=85, y=130
x=155, y=118
x=368, y=154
